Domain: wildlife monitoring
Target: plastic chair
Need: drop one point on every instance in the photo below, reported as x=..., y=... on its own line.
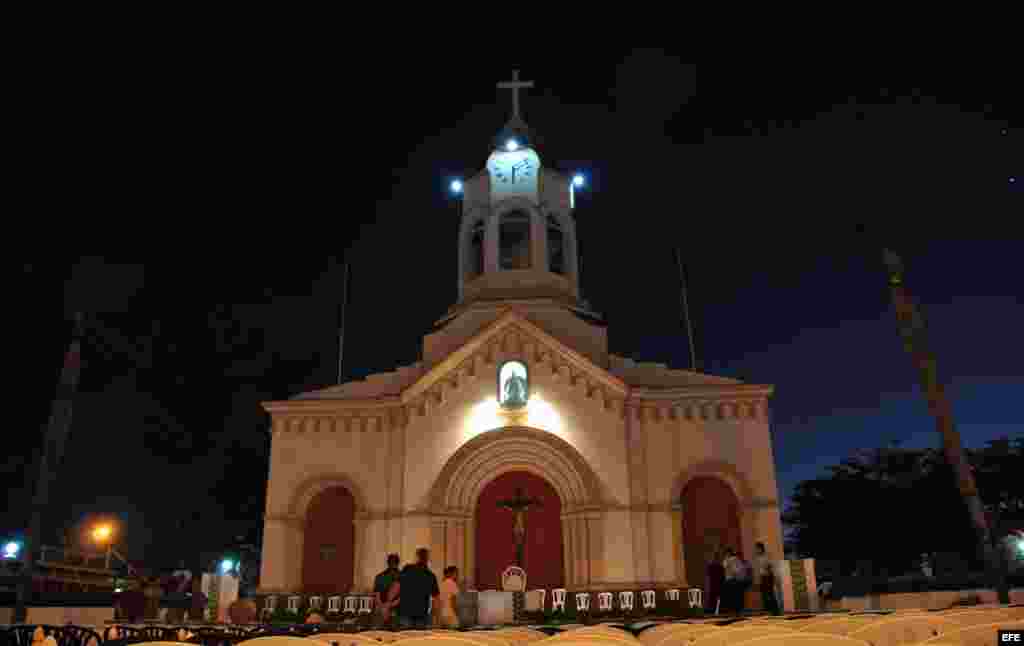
x=558, y=599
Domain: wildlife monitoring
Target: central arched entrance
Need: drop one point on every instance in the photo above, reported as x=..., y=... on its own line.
x=495, y=545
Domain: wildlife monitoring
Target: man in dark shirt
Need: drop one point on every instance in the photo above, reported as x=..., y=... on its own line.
x=417, y=585
x=382, y=586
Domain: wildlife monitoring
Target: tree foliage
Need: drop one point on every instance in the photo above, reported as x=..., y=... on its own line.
x=889, y=506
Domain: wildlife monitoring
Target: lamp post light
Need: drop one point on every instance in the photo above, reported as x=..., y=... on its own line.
x=12, y=550
x=103, y=535
x=577, y=182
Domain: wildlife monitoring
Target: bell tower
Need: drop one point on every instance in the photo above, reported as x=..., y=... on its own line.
x=517, y=238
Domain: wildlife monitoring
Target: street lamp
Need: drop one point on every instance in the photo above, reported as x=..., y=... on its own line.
x=577, y=182
x=103, y=534
x=12, y=549
x=456, y=187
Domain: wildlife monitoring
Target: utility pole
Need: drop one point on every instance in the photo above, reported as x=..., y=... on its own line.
x=912, y=329
x=685, y=306
x=341, y=319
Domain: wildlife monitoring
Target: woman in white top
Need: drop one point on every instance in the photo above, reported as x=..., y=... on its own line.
x=448, y=615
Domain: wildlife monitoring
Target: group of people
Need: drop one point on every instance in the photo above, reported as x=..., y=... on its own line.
x=729, y=577
x=412, y=598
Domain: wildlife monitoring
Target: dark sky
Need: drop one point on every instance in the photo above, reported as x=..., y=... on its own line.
x=200, y=213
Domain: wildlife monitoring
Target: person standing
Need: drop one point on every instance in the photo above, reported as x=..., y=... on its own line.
x=449, y=597
x=764, y=579
x=732, y=588
x=417, y=586
x=715, y=581
x=382, y=590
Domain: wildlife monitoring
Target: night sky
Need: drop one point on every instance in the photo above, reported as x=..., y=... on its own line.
x=205, y=213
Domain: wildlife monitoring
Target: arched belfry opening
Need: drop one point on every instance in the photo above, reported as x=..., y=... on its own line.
x=514, y=240
x=556, y=246
x=475, y=250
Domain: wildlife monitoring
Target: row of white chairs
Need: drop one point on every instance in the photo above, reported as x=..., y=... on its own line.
x=363, y=604
x=605, y=599
x=354, y=604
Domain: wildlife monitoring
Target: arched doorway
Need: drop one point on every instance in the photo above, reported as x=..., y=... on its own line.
x=711, y=520
x=495, y=546
x=329, y=544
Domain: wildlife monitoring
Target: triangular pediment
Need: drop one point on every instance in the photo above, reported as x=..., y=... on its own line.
x=512, y=327
x=624, y=380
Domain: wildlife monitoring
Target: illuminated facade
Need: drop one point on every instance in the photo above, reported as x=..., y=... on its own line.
x=639, y=470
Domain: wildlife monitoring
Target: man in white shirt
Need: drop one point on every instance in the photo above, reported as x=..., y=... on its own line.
x=764, y=579
x=731, y=589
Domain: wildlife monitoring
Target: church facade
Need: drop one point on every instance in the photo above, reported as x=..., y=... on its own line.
x=636, y=471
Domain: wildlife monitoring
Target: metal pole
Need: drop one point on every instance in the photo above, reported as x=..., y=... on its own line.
x=341, y=327
x=686, y=310
x=912, y=328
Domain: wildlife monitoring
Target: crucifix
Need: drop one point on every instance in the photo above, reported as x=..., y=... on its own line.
x=519, y=505
x=515, y=85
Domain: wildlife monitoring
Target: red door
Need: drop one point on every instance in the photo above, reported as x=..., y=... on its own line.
x=711, y=520
x=328, y=552
x=495, y=546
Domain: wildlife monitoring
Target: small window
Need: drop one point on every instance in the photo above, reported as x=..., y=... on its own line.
x=556, y=246
x=475, y=260
x=514, y=237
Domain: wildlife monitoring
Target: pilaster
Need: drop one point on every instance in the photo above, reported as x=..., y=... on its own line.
x=677, y=544
x=491, y=234
x=568, y=551
x=636, y=429
x=360, y=552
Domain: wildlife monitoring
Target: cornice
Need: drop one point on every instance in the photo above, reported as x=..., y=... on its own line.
x=313, y=406
x=640, y=394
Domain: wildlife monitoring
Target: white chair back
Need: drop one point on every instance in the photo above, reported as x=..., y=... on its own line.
x=513, y=579
x=334, y=604
x=293, y=603
x=270, y=603
x=582, y=601
x=350, y=604
x=541, y=592
x=672, y=595
x=604, y=601
x=696, y=597
x=558, y=599
x=648, y=599
x=365, y=605
x=626, y=600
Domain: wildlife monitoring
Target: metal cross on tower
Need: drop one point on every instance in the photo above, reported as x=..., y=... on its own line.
x=515, y=85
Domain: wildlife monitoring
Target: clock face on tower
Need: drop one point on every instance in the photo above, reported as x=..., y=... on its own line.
x=513, y=173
